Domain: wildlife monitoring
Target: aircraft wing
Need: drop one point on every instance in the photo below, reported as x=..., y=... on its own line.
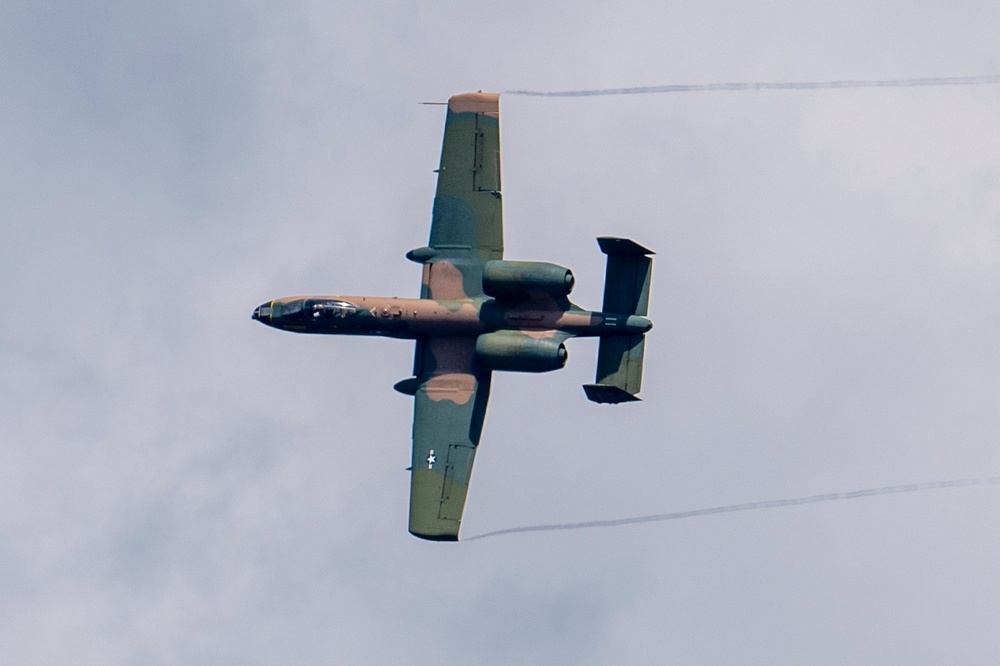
x=450, y=392
x=467, y=222
x=449, y=408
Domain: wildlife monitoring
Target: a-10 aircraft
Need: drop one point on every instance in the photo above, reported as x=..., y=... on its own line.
x=478, y=313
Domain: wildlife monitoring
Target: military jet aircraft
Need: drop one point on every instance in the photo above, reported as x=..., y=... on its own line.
x=478, y=313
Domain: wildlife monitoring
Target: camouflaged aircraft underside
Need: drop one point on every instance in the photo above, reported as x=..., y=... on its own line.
x=478, y=313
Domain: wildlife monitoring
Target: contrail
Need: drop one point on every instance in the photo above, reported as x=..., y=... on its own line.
x=988, y=79
x=749, y=506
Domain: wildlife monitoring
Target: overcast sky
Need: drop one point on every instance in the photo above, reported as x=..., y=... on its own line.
x=181, y=485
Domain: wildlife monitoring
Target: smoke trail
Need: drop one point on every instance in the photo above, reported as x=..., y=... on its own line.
x=750, y=506
x=988, y=79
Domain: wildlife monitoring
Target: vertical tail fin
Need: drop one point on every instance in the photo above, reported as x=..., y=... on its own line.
x=626, y=292
x=626, y=281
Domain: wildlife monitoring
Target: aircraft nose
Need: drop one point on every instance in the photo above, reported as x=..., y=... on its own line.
x=262, y=313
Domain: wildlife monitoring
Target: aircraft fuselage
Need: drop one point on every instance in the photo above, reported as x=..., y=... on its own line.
x=411, y=318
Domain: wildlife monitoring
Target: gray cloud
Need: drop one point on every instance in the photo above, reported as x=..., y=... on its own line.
x=181, y=486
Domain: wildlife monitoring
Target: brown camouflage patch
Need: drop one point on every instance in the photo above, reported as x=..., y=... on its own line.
x=445, y=282
x=540, y=335
x=578, y=319
x=451, y=379
x=477, y=102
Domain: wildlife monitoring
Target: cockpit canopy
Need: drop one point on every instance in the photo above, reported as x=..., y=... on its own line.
x=329, y=307
x=313, y=308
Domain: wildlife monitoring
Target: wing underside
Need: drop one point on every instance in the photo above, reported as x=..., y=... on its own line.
x=449, y=408
x=467, y=221
x=451, y=392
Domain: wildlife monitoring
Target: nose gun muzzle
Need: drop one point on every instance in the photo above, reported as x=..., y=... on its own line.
x=262, y=313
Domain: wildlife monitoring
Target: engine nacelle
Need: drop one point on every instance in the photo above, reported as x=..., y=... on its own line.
x=517, y=352
x=517, y=279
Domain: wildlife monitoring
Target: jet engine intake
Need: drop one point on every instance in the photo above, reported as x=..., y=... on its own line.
x=517, y=279
x=515, y=351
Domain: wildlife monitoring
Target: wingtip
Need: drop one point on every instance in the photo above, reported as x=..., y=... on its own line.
x=475, y=102
x=435, y=537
